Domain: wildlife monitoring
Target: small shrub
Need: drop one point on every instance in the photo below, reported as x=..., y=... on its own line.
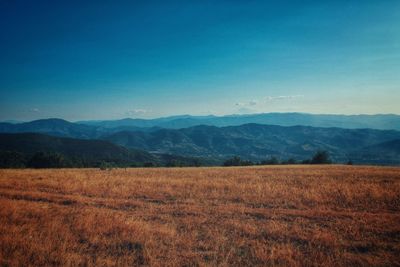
x=270, y=161
x=106, y=166
x=148, y=164
x=237, y=161
x=290, y=161
x=321, y=157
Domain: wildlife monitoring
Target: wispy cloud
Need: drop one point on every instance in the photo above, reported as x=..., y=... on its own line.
x=247, y=104
x=254, y=106
x=282, y=97
x=137, y=112
x=267, y=99
x=35, y=110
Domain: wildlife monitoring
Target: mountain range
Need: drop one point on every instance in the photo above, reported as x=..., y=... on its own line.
x=87, y=152
x=379, y=121
x=63, y=128
x=258, y=142
x=365, y=139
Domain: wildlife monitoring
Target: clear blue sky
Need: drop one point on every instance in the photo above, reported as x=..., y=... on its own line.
x=83, y=60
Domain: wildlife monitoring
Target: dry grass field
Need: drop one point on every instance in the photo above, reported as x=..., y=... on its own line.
x=245, y=216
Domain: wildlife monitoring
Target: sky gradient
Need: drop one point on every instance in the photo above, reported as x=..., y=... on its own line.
x=81, y=60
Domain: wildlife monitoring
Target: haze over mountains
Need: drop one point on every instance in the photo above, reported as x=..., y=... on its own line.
x=361, y=138
x=257, y=142
x=379, y=121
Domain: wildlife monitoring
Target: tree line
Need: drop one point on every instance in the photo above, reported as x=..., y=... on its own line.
x=320, y=157
x=12, y=159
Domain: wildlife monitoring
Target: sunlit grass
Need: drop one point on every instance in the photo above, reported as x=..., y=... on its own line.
x=284, y=215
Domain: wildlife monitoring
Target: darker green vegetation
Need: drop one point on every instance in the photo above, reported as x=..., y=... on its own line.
x=48, y=160
x=237, y=161
x=29, y=150
x=200, y=145
x=12, y=159
x=320, y=157
x=254, y=142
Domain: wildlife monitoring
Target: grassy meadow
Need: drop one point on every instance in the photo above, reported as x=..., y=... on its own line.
x=237, y=216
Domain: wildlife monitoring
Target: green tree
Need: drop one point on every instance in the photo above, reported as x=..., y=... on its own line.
x=12, y=159
x=148, y=164
x=321, y=157
x=271, y=161
x=237, y=161
x=107, y=165
x=289, y=161
x=234, y=161
x=47, y=160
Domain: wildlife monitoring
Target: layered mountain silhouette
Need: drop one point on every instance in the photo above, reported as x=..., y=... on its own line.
x=381, y=122
x=257, y=142
x=63, y=128
x=161, y=139
x=56, y=127
x=87, y=152
x=387, y=152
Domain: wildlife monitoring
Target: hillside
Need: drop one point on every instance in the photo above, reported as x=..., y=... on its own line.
x=250, y=141
x=255, y=141
x=63, y=128
x=388, y=152
x=90, y=151
x=97, y=129
x=85, y=153
x=56, y=127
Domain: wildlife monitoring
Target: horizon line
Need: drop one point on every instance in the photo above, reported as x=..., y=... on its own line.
x=13, y=121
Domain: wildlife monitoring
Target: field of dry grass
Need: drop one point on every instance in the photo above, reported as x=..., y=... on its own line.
x=247, y=216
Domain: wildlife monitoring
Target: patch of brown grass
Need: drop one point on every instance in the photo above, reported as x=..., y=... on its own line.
x=248, y=216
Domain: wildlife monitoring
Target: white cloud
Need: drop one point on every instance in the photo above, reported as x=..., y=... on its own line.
x=254, y=106
x=137, y=112
x=266, y=99
x=252, y=103
x=282, y=97
x=35, y=110
x=246, y=104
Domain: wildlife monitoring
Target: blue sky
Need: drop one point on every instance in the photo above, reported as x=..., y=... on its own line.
x=82, y=60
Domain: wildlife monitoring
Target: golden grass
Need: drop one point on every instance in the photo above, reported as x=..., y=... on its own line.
x=247, y=216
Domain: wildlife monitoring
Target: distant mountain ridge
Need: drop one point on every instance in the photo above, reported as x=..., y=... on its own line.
x=257, y=142
x=378, y=121
x=254, y=141
x=57, y=127
x=63, y=128
x=96, y=129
